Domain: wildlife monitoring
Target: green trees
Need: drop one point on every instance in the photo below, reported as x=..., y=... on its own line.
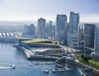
x=84, y=58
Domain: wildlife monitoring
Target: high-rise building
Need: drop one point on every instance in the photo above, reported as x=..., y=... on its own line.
x=97, y=39
x=49, y=30
x=41, y=27
x=29, y=31
x=61, y=22
x=73, y=30
x=53, y=32
x=89, y=35
x=73, y=22
x=81, y=36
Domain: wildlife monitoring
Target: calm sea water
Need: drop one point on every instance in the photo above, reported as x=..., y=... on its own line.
x=11, y=56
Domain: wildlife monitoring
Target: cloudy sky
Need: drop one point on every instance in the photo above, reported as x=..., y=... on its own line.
x=19, y=10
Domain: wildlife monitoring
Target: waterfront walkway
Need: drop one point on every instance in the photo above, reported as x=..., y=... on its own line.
x=85, y=68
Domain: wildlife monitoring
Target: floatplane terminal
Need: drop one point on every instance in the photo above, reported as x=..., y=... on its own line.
x=46, y=50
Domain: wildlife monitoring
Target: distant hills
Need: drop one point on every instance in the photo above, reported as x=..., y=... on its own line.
x=16, y=23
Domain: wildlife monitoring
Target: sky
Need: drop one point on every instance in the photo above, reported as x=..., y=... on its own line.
x=21, y=10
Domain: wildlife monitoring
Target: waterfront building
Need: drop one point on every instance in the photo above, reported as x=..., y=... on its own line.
x=37, y=43
x=73, y=30
x=41, y=27
x=29, y=31
x=61, y=28
x=41, y=46
x=89, y=35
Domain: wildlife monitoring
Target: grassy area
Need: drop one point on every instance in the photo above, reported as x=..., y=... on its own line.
x=78, y=56
x=91, y=62
x=94, y=63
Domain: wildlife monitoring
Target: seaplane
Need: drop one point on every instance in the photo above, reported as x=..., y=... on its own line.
x=8, y=67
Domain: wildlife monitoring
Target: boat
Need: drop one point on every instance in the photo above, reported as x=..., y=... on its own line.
x=58, y=69
x=53, y=70
x=46, y=71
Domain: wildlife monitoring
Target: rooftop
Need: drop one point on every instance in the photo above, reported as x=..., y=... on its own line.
x=41, y=41
x=35, y=40
x=22, y=38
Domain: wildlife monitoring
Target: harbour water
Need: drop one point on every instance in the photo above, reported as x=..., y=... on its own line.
x=11, y=56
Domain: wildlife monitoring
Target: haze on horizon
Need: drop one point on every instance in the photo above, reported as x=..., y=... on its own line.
x=20, y=10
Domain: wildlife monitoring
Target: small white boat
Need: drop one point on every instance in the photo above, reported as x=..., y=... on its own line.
x=46, y=71
x=53, y=70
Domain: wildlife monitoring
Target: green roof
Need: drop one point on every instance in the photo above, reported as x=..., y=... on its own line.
x=35, y=40
x=22, y=38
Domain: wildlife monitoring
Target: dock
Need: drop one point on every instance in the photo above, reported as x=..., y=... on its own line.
x=30, y=55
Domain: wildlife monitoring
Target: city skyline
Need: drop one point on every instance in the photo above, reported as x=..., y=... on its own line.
x=49, y=37
x=20, y=10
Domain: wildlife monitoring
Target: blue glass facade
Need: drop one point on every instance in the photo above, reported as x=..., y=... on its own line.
x=61, y=22
x=97, y=40
x=41, y=27
x=73, y=22
x=73, y=30
x=89, y=35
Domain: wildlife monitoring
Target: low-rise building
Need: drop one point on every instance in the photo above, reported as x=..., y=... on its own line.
x=41, y=46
